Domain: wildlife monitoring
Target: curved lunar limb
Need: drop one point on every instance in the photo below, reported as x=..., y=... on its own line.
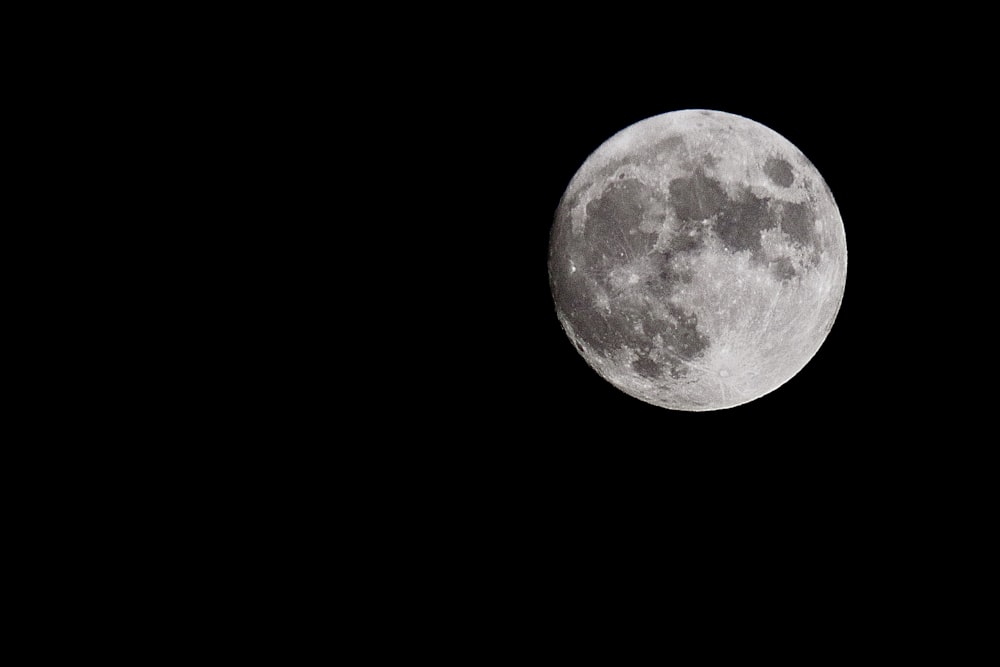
x=697, y=260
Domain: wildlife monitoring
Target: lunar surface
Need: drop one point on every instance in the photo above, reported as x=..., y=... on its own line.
x=697, y=260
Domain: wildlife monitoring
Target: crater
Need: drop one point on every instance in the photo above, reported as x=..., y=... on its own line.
x=783, y=269
x=779, y=171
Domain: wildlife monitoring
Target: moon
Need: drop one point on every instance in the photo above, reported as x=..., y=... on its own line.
x=697, y=260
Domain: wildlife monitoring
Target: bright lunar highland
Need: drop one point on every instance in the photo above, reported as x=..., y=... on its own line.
x=697, y=260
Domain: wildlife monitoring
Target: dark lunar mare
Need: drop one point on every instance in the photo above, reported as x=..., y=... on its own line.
x=704, y=203
x=798, y=221
x=740, y=223
x=615, y=216
x=779, y=171
x=610, y=239
x=740, y=220
x=696, y=197
x=681, y=341
x=647, y=368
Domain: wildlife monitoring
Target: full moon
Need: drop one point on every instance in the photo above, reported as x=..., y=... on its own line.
x=697, y=260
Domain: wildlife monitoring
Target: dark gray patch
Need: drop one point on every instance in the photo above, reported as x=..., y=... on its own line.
x=740, y=224
x=620, y=207
x=647, y=368
x=798, y=221
x=651, y=326
x=683, y=340
x=696, y=197
x=610, y=218
x=679, y=335
x=687, y=340
x=633, y=327
x=662, y=150
x=670, y=275
x=603, y=332
x=670, y=143
x=690, y=236
x=612, y=225
x=609, y=332
x=779, y=171
x=783, y=269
